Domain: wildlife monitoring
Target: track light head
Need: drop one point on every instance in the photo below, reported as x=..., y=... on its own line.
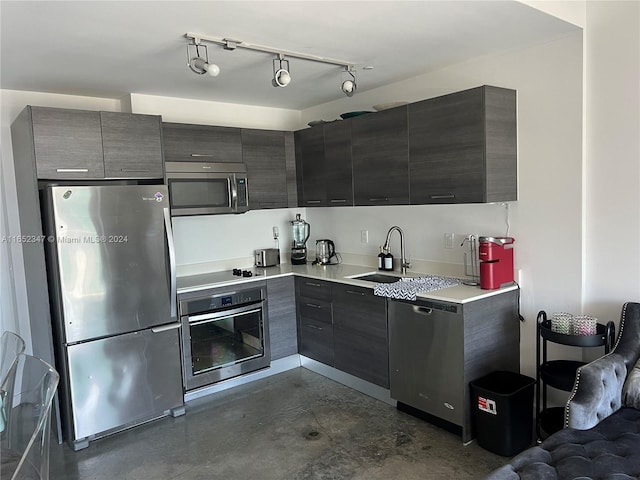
x=199, y=64
x=349, y=86
x=281, y=75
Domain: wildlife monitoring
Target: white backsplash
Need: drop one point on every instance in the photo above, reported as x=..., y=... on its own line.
x=223, y=242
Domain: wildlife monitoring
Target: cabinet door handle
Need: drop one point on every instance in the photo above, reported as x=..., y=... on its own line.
x=313, y=201
x=311, y=284
x=379, y=199
x=72, y=170
x=313, y=305
x=437, y=197
x=314, y=327
x=353, y=292
x=131, y=170
x=338, y=200
x=201, y=155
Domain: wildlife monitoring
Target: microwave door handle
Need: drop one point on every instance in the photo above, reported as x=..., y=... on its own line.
x=172, y=263
x=233, y=191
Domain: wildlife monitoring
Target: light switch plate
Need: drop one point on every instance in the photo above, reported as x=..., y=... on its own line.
x=448, y=240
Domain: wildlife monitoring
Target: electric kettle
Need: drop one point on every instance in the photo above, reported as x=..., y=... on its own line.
x=325, y=250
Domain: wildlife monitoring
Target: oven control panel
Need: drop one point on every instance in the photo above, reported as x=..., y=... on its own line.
x=220, y=301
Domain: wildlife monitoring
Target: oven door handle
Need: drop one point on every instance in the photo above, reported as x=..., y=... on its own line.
x=205, y=317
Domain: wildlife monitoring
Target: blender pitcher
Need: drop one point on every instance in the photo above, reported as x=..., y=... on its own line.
x=300, y=234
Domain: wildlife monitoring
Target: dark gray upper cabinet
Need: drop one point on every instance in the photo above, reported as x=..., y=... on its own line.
x=132, y=145
x=380, y=150
x=81, y=144
x=263, y=152
x=67, y=143
x=201, y=143
x=310, y=163
x=338, y=163
x=462, y=147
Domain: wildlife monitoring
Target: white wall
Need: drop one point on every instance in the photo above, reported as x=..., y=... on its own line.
x=612, y=137
x=181, y=110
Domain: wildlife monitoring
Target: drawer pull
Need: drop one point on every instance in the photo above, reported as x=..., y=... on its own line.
x=353, y=292
x=313, y=201
x=379, y=199
x=313, y=305
x=339, y=200
x=72, y=170
x=311, y=284
x=202, y=155
x=437, y=197
x=130, y=170
x=314, y=327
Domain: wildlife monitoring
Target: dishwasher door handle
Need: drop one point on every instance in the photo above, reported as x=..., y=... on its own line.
x=422, y=310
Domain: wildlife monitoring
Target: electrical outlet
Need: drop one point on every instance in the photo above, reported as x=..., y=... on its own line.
x=364, y=236
x=448, y=240
x=276, y=233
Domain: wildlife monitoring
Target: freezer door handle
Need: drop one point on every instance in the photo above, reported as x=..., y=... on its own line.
x=165, y=328
x=172, y=262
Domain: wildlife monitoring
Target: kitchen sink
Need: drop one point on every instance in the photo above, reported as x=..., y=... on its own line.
x=377, y=278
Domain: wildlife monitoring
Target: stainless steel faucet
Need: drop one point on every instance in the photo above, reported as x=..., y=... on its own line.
x=403, y=261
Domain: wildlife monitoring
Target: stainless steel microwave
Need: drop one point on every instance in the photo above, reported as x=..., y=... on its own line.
x=201, y=188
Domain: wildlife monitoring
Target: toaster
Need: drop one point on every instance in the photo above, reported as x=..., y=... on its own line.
x=267, y=257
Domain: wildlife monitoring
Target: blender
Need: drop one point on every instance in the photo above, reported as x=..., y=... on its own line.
x=300, y=234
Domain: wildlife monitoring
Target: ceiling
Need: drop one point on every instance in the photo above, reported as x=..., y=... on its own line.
x=109, y=48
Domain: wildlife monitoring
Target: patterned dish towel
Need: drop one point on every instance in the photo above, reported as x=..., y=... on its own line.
x=408, y=288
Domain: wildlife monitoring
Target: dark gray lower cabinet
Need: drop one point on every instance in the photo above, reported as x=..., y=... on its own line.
x=345, y=327
x=316, y=340
x=360, y=333
x=282, y=317
x=315, y=325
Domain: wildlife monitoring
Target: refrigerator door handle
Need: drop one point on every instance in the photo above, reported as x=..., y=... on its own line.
x=172, y=262
x=165, y=328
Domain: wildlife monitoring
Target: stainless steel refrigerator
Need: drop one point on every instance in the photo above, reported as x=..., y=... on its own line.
x=110, y=263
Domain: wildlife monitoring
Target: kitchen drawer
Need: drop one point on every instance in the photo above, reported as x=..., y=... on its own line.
x=316, y=340
x=317, y=289
x=363, y=356
x=359, y=310
x=314, y=309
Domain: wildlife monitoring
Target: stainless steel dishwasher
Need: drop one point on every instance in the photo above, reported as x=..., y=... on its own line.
x=426, y=347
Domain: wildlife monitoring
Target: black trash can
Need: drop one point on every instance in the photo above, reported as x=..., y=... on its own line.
x=502, y=405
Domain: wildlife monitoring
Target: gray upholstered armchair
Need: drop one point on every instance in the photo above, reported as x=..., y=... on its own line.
x=603, y=386
x=601, y=438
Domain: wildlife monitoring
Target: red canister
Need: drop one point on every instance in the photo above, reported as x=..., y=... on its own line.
x=496, y=261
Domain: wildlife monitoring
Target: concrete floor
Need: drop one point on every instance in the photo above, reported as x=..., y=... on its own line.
x=296, y=425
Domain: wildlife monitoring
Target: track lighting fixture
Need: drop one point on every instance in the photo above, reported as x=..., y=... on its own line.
x=349, y=86
x=199, y=64
x=281, y=75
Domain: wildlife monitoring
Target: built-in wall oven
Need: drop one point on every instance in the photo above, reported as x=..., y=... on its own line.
x=224, y=334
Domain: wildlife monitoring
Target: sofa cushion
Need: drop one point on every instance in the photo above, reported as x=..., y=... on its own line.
x=610, y=450
x=631, y=389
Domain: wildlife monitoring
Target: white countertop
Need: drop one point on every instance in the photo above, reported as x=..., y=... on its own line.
x=333, y=273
